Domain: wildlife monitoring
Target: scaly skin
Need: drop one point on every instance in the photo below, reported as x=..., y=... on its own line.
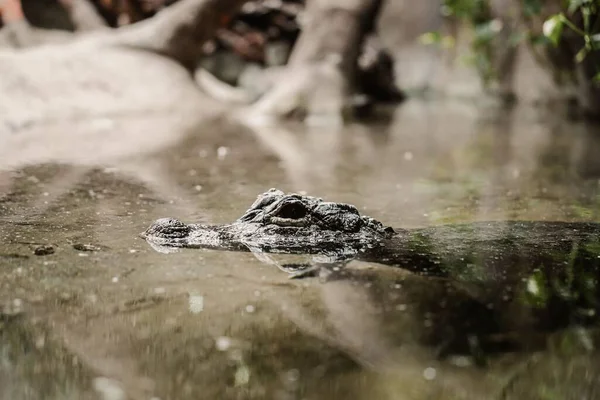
x=280, y=223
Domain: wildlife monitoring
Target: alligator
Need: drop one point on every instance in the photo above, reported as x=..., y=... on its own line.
x=497, y=277
x=298, y=224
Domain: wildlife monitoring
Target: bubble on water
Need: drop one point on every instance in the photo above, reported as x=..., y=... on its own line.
x=40, y=342
x=496, y=25
x=160, y=290
x=109, y=389
x=223, y=343
x=115, y=279
x=408, y=156
x=257, y=293
x=429, y=373
x=198, y=188
x=196, y=304
x=242, y=376
x=250, y=308
x=222, y=152
x=461, y=361
x=533, y=287
x=293, y=375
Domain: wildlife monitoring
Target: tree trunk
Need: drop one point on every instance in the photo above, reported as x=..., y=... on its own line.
x=322, y=72
x=180, y=30
x=84, y=15
x=325, y=69
x=18, y=32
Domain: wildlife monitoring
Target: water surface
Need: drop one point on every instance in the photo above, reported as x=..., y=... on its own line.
x=105, y=316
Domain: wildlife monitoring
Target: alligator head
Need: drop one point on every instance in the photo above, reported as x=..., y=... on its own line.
x=280, y=223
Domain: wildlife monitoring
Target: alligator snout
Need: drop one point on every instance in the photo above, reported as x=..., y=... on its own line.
x=167, y=228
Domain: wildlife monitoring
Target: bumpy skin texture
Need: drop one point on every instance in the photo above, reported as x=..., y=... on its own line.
x=279, y=222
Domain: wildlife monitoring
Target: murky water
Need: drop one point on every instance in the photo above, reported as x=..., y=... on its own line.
x=105, y=316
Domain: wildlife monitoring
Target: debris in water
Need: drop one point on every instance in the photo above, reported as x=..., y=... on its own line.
x=109, y=389
x=196, y=303
x=461, y=361
x=43, y=250
x=242, y=376
x=429, y=373
x=223, y=343
x=222, y=152
x=86, y=247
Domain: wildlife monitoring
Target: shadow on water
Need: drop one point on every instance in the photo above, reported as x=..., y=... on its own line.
x=97, y=312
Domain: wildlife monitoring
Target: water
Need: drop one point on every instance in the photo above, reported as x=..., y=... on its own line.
x=105, y=316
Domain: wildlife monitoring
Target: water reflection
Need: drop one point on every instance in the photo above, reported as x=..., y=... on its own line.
x=123, y=310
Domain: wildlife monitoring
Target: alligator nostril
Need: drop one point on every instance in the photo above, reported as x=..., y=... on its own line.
x=168, y=228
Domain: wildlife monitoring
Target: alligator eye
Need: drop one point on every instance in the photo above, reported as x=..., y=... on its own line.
x=292, y=211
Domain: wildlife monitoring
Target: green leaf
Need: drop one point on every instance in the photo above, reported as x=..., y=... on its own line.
x=537, y=292
x=581, y=54
x=532, y=7
x=575, y=4
x=431, y=38
x=539, y=40
x=486, y=31
x=553, y=27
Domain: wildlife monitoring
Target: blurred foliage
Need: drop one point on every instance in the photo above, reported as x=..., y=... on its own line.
x=477, y=14
x=590, y=31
